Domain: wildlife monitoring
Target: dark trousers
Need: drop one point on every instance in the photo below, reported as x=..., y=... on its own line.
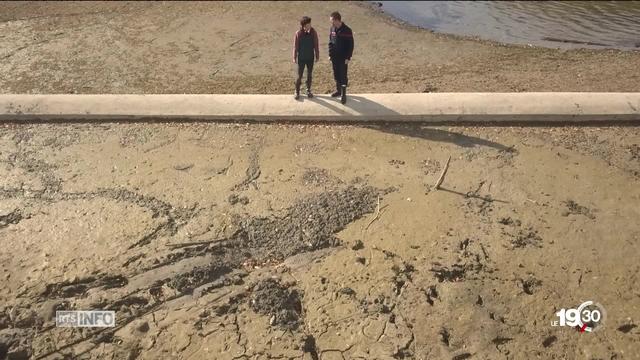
x=340, y=72
x=301, y=65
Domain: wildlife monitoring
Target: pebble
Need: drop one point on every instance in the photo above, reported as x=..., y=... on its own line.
x=143, y=326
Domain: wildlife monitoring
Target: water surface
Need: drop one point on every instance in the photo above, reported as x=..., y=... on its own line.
x=564, y=24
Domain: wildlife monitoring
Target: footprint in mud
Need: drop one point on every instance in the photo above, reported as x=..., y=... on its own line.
x=234, y=199
x=445, y=336
x=278, y=301
x=509, y=221
x=458, y=271
x=634, y=151
x=529, y=285
x=526, y=237
x=574, y=209
x=432, y=293
x=396, y=163
x=402, y=276
x=453, y=274
x=430, y=166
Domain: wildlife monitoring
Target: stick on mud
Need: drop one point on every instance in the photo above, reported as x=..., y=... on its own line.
x=375, y=216
x=444, y=172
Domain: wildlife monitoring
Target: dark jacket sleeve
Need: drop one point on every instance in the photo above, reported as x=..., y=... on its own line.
x=316, y=44
x=348, y=38
x=295, y=45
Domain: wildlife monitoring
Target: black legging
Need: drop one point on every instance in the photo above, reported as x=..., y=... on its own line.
x=340, y=72
x=301, y=66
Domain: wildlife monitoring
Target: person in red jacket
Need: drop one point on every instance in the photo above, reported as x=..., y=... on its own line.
x=305, y=52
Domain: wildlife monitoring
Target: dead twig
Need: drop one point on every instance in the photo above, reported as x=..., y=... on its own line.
x=239, y=40
x=444, y=172
x=196, y=243
x=376, y=215
x=193, y=243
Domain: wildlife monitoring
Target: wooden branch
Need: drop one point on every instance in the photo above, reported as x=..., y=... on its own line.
x=444, y=172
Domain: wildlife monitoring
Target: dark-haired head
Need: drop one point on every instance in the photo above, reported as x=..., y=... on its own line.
x=336, y=19
x=305, y=23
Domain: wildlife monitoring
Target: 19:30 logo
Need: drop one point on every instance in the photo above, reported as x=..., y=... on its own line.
x=588, y=317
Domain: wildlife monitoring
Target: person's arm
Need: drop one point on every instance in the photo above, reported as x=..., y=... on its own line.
x=316, y=44
x=350, y=44
x=295, y=46
x=329, y=43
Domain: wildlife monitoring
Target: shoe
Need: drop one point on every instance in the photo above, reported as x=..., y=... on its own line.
x=336, y=94
x=309, y=94
x=297, y=95
x=343, y=99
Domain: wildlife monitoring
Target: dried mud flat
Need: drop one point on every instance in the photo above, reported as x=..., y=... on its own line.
x=317, y=242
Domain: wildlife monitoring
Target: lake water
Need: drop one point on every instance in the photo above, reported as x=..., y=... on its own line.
x=558, y=24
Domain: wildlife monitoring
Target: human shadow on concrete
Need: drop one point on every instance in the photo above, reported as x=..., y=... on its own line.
x=359, y=104
x=363, y=105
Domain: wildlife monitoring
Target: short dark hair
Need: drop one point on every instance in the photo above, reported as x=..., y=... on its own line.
x=336, y=15
x=305, y=20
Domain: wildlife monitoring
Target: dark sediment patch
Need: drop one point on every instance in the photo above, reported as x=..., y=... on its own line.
x=310, y=224
x=13, y=217
x=317, y=176
x=281, y=303
x=549, y=341
x=187, y=282
x=77, y=287
x=627, y=327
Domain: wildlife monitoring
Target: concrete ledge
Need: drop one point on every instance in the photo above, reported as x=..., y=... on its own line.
x=422, y=107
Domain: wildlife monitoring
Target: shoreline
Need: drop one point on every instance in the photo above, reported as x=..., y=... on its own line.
x=378, y=11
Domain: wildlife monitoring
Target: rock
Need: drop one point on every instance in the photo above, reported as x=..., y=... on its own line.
x=142, y=326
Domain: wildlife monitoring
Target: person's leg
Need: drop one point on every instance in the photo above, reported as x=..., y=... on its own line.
x=336, y=77
x=343, y=83
x=309, y=78
x=345, y=77
x=299, y=79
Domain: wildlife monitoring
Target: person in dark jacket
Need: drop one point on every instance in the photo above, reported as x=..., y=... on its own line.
x=340, y=51
x=305, y=50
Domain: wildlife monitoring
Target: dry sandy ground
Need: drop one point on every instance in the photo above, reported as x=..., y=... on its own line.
x=231, y=47
x=528, y=221
x=313, y=242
